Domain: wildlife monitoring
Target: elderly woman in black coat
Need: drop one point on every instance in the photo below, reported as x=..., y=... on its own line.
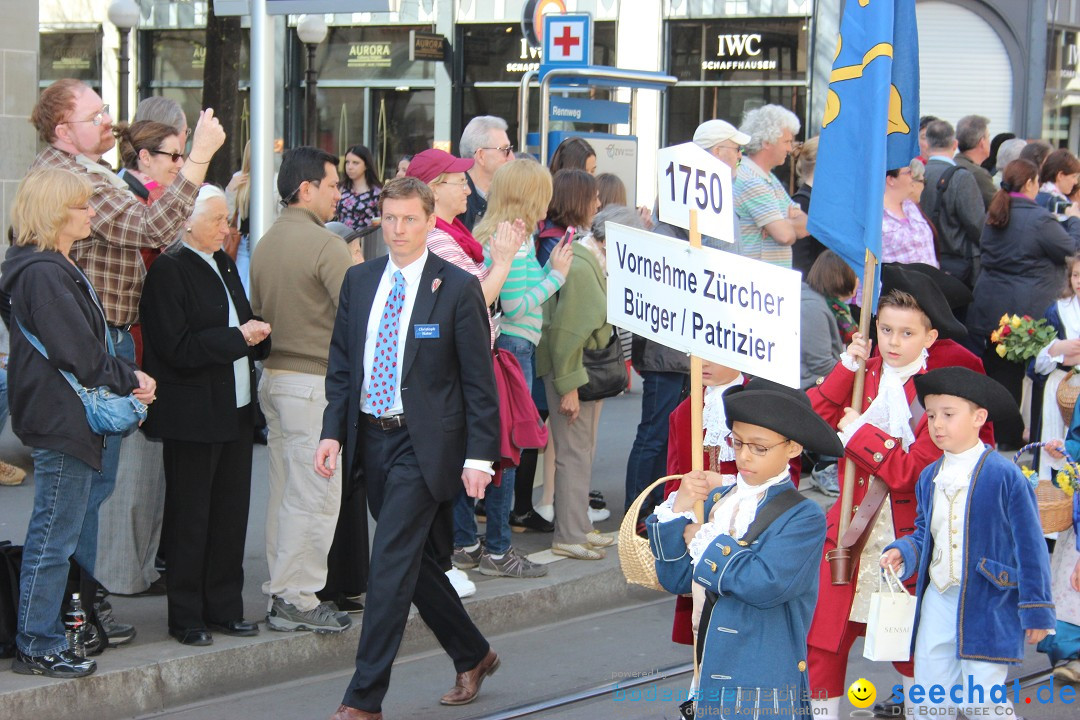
x=1023, y=267
x=200, y=338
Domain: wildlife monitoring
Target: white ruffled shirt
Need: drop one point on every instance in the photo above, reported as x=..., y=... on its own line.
x=951, y=486
x=890, y=411
x=714, y=419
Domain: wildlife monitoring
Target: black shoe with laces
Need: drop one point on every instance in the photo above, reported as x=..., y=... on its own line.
x=64, y=664
x=531, y=520
x=596, y=500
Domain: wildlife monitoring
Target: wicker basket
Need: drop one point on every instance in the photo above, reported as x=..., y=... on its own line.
x=635, y=557
x=1055, y=507
x=1067, y=392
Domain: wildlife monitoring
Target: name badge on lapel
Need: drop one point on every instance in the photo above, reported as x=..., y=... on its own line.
x=424, y=332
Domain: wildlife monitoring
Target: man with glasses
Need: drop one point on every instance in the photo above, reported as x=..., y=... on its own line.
x=486, y=142
x=296, y=274
x=74, y=123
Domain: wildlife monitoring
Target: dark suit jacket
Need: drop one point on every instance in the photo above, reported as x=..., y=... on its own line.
x=189, y=348
x=447, y=383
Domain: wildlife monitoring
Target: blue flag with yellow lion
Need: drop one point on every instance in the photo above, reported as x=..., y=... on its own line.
x=871, y=125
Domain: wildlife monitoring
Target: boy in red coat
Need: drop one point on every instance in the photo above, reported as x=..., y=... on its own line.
x=890, y=445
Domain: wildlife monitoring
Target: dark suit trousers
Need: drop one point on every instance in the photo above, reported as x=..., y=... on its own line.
x=403, y=570
x=207, y=492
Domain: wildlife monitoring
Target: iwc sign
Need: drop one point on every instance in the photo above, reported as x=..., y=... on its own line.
x=739, y=52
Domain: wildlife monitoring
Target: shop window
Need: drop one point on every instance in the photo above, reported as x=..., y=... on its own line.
x=370, y=53
x=70, y=55
x=743, y=49
x=499, y=53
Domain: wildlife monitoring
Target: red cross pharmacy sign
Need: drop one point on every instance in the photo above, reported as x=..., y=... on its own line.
x=567, y=42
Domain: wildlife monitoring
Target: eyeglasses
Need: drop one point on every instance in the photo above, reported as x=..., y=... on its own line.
x=463, y=183
x=98, y=118
x=176, y=157
x=736, y=148
x=505, y=149
x=755, y=449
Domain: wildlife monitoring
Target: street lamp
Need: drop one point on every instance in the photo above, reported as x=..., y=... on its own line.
x=312, y=30
x=124, y=14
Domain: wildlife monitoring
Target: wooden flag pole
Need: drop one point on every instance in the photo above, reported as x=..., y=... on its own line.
x=697, y=431
x=840, y=559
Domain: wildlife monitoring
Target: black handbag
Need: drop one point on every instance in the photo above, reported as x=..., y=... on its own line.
x=607, y=371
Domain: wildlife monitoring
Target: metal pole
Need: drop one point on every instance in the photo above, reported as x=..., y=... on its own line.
x=122, y=84
x=311, y=120
x=262, y=119
x=523, y=109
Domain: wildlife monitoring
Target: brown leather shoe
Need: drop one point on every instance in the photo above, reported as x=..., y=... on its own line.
x=467, y=686
x=348, y=713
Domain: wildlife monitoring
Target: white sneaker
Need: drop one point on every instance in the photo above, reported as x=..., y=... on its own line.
x=461, y=582
x=599, y=515
x=546, y=511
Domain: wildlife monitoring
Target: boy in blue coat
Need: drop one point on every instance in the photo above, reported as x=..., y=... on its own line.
x=753, y=565
x=978, y=549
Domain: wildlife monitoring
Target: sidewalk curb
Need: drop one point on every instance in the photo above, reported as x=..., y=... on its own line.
x=162, y=676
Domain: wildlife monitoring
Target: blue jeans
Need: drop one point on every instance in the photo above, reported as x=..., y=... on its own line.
x=498, y=501
x=110, y=456
x=243, y=262
x=65, y=489
x=661, y=394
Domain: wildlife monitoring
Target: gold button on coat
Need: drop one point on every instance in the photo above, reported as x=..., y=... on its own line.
x=802, y=666
x=716, y=497
x=878, y=457
x=890, y=444
x=726, y=550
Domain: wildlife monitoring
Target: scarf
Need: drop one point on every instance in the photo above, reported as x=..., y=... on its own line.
x=890, y=411
x=956, y=470
x=843, y=317
x=715, y=420
x=462, y=237
x=1051, y=189
x=590, y=243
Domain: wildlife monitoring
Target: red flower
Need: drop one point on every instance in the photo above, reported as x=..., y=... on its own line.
x=1027, y=318
x=1031, y=331
x=1006, y=331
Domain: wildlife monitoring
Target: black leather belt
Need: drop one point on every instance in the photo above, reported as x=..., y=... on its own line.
x=386, y=422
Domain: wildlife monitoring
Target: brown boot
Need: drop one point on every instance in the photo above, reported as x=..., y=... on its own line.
x=468, y=683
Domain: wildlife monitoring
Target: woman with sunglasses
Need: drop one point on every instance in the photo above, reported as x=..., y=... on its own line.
x=153, y=154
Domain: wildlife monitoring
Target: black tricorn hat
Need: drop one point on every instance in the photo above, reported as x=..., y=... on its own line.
x=980, y=389
x=956, y=293
x=926, y=293
x=783, y=410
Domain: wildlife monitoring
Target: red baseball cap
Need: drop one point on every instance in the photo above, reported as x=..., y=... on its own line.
x=429, y=164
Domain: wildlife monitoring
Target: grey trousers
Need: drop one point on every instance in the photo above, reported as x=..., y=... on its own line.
x=129, y=521
x=574, y=448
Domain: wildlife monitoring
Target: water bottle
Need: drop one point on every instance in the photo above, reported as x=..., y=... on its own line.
x=75, y=626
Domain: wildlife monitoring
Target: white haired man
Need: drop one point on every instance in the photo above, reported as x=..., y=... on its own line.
x=486, y=142
x=769, y=221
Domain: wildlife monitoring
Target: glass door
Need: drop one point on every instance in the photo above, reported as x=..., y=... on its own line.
x=402, y=123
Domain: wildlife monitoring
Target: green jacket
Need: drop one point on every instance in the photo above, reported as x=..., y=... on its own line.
x=574, y=319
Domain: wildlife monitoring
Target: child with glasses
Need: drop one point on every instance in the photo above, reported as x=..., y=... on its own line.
x=751, y=567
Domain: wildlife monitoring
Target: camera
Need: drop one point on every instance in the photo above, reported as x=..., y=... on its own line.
x=1058, y=206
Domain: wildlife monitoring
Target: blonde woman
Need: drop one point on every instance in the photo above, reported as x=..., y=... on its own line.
x=52, y=300
x=521, y=190
x=238, y=197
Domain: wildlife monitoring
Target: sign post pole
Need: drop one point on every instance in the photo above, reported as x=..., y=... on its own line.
x=697, y=429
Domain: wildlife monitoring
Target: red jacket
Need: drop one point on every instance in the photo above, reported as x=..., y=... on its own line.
x=520, y=425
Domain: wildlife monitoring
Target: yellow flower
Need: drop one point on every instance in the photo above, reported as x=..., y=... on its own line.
x=1004, y=319
x=995, y=336
x=1001, y=350
x=1028, y=472
x=1068, y=489
x=1061, y=479
x=1015, y=322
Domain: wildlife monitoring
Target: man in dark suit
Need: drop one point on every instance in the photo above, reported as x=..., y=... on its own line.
x=415, y=435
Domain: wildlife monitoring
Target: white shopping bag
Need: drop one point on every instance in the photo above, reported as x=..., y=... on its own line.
x=890, y=622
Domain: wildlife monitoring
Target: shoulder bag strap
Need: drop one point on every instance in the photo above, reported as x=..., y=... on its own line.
x=75, y=385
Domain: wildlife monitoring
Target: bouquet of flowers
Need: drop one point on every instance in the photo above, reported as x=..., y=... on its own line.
x=1018, y=339
x=1067, y=479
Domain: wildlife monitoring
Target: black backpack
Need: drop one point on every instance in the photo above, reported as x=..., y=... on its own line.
x=10, y=564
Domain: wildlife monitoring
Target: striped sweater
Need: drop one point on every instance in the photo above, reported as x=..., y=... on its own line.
x=527, y=287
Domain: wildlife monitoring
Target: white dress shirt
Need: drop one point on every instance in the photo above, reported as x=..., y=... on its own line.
x=241, y=366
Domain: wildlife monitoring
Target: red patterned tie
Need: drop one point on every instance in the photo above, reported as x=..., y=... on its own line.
x=383, y=377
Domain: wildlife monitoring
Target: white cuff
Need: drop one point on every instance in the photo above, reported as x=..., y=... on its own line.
x=848, y=432
x=665, y=513
x=849, y=362
x=481, y=465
